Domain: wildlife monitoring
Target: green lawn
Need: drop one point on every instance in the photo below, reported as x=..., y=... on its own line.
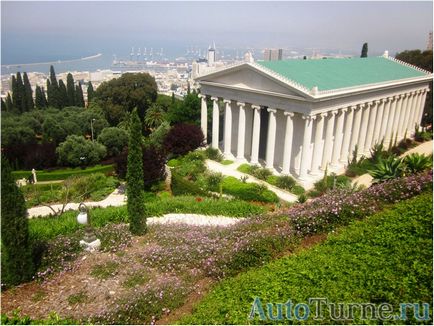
x=387, y=257
x=63, y=174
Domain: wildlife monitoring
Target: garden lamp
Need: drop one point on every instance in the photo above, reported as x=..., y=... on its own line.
x=90, y=242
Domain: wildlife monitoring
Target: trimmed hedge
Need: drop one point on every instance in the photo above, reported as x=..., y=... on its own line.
x=386, y=258
x=248, y=191
x=63, y=173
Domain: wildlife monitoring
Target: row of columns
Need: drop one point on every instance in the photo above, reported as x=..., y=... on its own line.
x=361, y=125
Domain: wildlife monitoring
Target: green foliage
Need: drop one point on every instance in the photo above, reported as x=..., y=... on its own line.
x=80, y=297
x=121, y=95
x=70, y=90
x=245, y=168
x=191, y=165
x=79, y=99
x=182, y=186
x=328, y=182
x=155, y=116
x=40, y=100
x=417, y=162
x=28, y=94
x=105, y=271
x=16, y=262
x=365, y=262
x=77, y=151
x=227, y=162
x=387, y=169
x=52, y=319
x=187, y=111
x=90, y=92
x=156, y=138
x=63, y=173
x=286, y=182
x=261, y=173
x=214, y=154
x=135, y=184
x=63, y=94
x=213, y=180
x=248, y=191
x=114, y=139
x=421, y=136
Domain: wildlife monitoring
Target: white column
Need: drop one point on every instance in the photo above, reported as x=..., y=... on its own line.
x=328, y=142
x=305, y=158
x=363, y=129
x=215, y=122
x=397, y=117
x=405, y=131
x=345, y=151
x=371, y=126
x=390, y=121
x=228, y=128
x=421, y=107
x=256, y=133
x=356, y=129
x=413, y=112
x=241, y=130
x=203, y=115
x=317, y=144
x=402, y=116
x=385, y=119
x=287, y=147
x=338, y=137
x=271, y=139
x=378, y=122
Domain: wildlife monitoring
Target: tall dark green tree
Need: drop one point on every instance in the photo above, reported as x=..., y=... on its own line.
x=40, y=101
x=18, y=93
x=3, y=105
x=70, y=88
x=54, y=99
x=135, y=183
x=90, y=92
x=9, y=104
x=28, y=94
x=16, y=259
x=63, y=94
x=53, y=78
x=79, y=99
x=364, y=51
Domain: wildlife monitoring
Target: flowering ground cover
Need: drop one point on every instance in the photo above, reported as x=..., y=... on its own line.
x=150, y=276
x=385, y=258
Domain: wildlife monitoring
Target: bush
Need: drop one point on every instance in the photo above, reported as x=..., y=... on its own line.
x=214, y=154
x=181, y=186
x=64, y=173
x=114, y=139
x=417, y=162
x=387, y=169
x=191, y=165
x=285, y=182
x=77, y=151
x=330, y=182
x=261, y=173
x=245, y=168
x=183, y=138
x=248, y=191
x=16, y=262
x=213, y=180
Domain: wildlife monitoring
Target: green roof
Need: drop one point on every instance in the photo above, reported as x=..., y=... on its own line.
x=334, y=73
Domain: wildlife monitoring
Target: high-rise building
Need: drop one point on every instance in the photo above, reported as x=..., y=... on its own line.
x=429, y=44
x=273, y=54
x=211, y=55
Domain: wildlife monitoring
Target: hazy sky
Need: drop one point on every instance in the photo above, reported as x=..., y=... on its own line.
x=35, y=27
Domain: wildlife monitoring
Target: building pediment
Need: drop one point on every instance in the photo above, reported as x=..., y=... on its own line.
x=251, y=78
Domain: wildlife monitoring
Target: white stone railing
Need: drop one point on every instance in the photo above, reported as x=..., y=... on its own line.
x=409, y=65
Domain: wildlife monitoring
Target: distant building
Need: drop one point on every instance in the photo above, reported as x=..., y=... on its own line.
x=429, y=45
x=273, y=54
x=211, y=56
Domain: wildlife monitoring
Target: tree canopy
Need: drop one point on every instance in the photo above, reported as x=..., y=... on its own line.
x=121, y=95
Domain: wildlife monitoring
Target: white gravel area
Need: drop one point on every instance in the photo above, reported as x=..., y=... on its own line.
x=194, y=219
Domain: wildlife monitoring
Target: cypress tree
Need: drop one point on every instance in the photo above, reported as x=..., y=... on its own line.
x=63, y=94
x=364, y=51
x=173, y=98
x=28, y=93
x=44, y=98
x=40, y=101
x=9, y=104
x=135, y=183
x=90, y=92
x=53, y=78
x=15, y=92
x=70, y=88
x=50, y=98
x=20, y=103
x=53, y=91
x=79, y=99
x=16, y=259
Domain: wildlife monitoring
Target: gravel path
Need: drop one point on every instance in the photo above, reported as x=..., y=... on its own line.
x=194, y=219
x=231, y=170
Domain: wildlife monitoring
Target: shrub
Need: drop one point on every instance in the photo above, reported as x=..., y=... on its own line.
x=261, y=173
x=421, y=135
x=77, y=151
x=248, y=191
x=135, y=184
x=214, y=154
x=114, y=139
x=417, y=162
x=183, y=138
x=16, y=262
x=330, y=182
x=387, y=169
x=285, y=182
x=191, y=165
x=245, y=168
x=181, y=186
x=213, y=180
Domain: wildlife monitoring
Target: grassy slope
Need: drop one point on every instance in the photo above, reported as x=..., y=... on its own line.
x=385, y=258
x=63, y=173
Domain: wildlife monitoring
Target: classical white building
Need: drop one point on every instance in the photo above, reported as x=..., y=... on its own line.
x=299, y=117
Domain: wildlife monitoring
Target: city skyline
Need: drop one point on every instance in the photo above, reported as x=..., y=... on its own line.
x=60, y=29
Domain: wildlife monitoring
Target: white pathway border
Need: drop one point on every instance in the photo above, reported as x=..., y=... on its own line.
x=231, y=170
x=194, y=219
x=424, y=148
x=114, y=199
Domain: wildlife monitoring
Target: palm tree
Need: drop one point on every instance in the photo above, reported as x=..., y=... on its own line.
x=155, y=116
